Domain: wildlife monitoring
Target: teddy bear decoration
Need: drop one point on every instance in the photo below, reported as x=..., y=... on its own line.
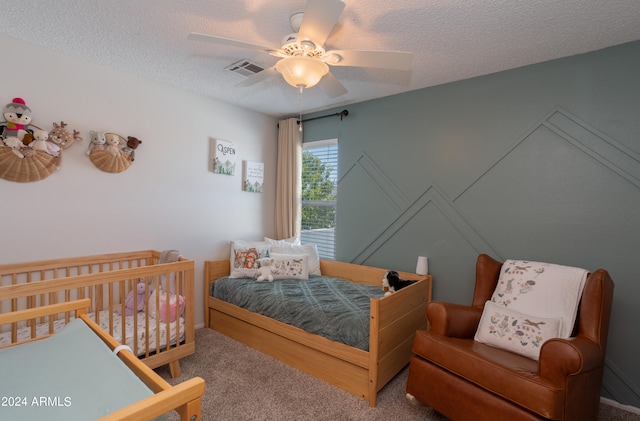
x=265, y=269
x=27, y=152
x=131, y=146
x=111, y=152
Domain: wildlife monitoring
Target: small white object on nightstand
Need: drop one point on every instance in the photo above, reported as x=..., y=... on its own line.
x=422, y=267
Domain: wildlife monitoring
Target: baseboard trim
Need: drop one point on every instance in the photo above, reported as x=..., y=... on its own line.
x=617, y=404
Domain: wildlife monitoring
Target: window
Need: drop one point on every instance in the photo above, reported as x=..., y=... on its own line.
x=319, y=195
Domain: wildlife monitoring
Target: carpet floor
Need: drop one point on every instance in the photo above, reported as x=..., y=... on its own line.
x=244, y=384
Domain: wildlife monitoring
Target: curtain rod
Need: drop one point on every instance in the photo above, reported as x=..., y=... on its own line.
x=342, y=114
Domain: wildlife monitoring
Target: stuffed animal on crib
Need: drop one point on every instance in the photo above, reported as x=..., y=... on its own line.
x=137, y=297
x=266, y=269
x=392, y=282
x=176, y=307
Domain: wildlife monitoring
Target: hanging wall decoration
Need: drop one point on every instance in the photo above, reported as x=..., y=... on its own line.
x=253, y=179
x=111, y=152
x=27, y=152
x=223, y=157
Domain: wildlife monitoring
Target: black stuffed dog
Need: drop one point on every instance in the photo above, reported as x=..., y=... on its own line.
x=392, y=282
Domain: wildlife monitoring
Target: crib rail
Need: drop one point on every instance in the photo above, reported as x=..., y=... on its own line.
x=157, y=332
x=77, y=307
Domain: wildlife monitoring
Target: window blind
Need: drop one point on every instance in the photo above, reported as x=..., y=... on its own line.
x=319, y=195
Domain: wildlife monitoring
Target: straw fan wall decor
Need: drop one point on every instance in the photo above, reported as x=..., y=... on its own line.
x=27, y=152
x=111, y=152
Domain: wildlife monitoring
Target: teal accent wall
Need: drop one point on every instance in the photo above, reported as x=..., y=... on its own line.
x=538, y=163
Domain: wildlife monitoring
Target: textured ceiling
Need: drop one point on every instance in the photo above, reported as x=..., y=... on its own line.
x=451, y=40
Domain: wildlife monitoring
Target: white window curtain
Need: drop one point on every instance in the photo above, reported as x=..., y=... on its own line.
x=288, y=176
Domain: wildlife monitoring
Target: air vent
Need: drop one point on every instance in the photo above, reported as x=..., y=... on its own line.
x=245, y=68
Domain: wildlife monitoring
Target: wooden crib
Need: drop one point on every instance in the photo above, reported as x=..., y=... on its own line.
x=106, y=280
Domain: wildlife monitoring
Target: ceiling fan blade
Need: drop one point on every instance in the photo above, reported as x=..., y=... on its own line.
x=194, y=36
x=259, y=77
x=394, y=60
x=332, y=86
x=320, y=16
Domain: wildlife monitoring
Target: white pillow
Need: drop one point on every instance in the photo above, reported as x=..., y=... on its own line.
x=243, y=257
x=290, y=266
x=541, y=289
x=514, y=331
x=292, y=240
x=309, y=249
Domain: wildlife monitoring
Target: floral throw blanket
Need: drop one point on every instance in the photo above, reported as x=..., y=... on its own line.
x=541, y=289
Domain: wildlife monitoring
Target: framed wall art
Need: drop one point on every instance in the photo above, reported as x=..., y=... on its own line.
x=223, y=157
x=253, y=176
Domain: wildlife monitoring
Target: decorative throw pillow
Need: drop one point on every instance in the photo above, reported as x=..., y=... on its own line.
x=309, y=249
x=514, y=331
x=291, y=240
x=243, y=258
x=541, y=289
x=290, y=266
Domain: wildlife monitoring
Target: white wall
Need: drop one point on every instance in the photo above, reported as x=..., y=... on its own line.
x=166, y=200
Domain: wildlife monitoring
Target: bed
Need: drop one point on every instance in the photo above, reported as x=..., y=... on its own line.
x=88, y=376
x=156, y=337
x=393, y=321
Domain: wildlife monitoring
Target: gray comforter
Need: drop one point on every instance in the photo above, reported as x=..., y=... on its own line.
x=333, y=308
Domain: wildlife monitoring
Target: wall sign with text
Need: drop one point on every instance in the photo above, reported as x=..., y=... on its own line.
x=223, y=157
x=253, y=176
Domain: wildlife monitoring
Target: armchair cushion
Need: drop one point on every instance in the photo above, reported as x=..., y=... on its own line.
x=501, y=372
x=514, y=331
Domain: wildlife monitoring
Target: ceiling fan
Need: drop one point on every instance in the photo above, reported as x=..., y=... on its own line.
x=303, y=59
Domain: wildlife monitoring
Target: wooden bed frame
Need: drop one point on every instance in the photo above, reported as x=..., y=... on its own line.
x=184, y=398
x=393, y=323
x=106, y=280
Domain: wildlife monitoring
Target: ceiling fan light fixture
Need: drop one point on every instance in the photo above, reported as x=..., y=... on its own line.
x=302, y=72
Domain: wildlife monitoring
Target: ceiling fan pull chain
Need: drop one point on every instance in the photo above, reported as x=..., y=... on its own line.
x=300, y=108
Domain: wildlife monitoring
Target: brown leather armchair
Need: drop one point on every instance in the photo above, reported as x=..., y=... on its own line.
x=468, y=380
